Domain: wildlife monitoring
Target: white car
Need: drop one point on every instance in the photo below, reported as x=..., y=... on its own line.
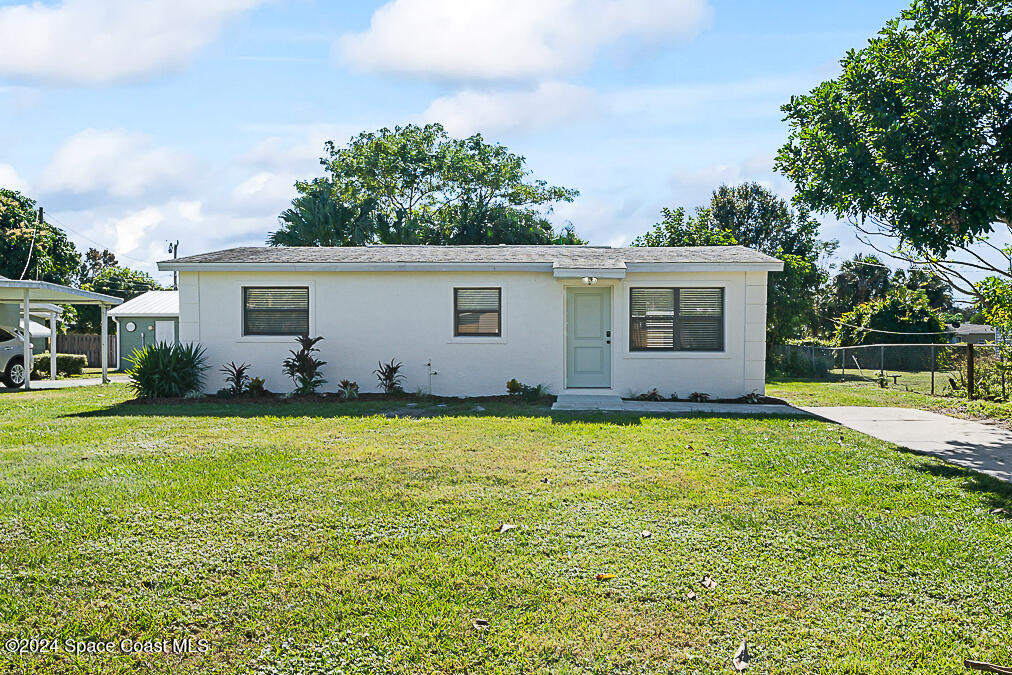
x=12, y=367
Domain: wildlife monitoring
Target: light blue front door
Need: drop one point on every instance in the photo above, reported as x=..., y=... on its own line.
x=588, y=337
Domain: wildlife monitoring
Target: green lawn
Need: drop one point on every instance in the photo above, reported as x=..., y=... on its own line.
x=807, y=392
x=320, y=537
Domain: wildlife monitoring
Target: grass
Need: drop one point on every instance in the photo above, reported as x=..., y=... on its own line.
x=807, y=392
x=322, y=537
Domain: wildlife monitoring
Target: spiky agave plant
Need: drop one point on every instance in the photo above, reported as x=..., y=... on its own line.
x=163, y=370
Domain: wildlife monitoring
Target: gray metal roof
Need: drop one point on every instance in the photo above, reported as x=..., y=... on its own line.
x=152, y=303
x=575, y=257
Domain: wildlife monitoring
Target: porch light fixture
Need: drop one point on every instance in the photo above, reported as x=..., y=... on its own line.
x=590, y=281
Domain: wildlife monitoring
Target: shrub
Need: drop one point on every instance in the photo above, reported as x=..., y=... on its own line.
x=699, y=397
x=236, y=377
x=303, y=367
x=390, y=377
x=66, y=364
x=652, y=395
x=347, y=390
x=256, y=386
x=164, y=370
x=530, y=393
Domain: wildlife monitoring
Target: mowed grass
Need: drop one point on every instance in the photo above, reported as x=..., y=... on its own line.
x=319, y=537
x=806, y=392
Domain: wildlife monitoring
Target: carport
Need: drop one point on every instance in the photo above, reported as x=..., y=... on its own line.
x=15, y=293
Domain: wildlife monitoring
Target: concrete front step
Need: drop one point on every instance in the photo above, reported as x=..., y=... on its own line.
x=587, y=402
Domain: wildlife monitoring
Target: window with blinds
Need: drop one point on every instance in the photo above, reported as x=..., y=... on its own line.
x=477, y=311
x=275, y=311
x=676, y=319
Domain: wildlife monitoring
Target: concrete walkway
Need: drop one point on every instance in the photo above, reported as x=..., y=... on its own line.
x=584, y=402
x=39, y=385
x=972, y=445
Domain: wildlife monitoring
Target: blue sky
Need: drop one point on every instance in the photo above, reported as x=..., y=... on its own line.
x=139, y=121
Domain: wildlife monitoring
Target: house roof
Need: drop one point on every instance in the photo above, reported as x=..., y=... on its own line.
x=403, y=257
x=972, y=329
x=152, y=303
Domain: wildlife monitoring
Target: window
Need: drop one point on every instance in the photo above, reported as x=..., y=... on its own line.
x=275, y=311
x=477, y=311
x=676, y=319
x=5, y=336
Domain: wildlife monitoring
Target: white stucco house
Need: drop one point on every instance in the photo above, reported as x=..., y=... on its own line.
x=465, y=319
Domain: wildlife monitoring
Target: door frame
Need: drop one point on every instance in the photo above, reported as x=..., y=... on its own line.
x=609, y=291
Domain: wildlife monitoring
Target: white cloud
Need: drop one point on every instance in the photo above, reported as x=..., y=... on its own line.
x=10, y=179
x=509, y=39
x=120, y=163
x=100, y=41
x=264, y=192
x=549, y=104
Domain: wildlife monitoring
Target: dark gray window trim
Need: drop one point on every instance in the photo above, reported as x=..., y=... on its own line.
x=456, y=312
x=245, y=307
x=676, y=338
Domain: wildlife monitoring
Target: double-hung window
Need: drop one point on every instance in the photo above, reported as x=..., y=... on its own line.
x=477, y=312
x=282, y=310
x=676, y=319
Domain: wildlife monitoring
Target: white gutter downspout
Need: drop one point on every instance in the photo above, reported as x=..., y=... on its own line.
x=26, y=343
x=52, y=345
x=105, y=344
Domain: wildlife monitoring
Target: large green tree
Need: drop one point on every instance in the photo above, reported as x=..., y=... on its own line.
x=417, y=185
x=751, y=215
x=37, y=251
x=913, y=140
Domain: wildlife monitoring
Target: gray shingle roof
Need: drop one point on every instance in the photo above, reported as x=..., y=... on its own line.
x=588, y=257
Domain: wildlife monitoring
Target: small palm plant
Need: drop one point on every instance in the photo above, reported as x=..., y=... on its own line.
x=236, y=377
x=390, y=377
x=303, y=367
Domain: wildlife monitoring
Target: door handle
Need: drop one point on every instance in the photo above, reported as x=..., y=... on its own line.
x=607, y=333
x=607, y=342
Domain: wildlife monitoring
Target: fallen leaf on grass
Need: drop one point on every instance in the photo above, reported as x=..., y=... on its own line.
x=691, y=595
x=604, y=577
x=998, y=512
x=506, y=527
x=646, y=534
x=708, y=582
x=480, y=624
x=741, y=658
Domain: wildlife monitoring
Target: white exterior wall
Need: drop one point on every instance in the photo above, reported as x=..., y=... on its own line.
x=365, y=317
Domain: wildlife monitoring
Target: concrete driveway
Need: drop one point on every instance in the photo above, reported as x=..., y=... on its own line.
x=972, y=445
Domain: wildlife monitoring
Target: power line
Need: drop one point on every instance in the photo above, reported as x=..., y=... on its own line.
x=107, y=248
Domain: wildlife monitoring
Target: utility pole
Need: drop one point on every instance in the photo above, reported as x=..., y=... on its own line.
x=174, y=250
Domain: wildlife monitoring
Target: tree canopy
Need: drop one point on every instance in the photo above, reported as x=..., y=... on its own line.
x=915, y=135
x=49, y=254
x=901, y=311
x=417, y=185
x=751, y=215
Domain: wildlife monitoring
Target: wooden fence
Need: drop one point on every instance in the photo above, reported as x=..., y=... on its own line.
x=89, y=345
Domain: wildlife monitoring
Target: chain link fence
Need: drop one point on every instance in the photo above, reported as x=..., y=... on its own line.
x=934, y=369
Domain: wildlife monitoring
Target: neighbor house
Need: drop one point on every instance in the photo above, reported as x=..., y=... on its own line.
x=465, y=319
x=149, y=318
